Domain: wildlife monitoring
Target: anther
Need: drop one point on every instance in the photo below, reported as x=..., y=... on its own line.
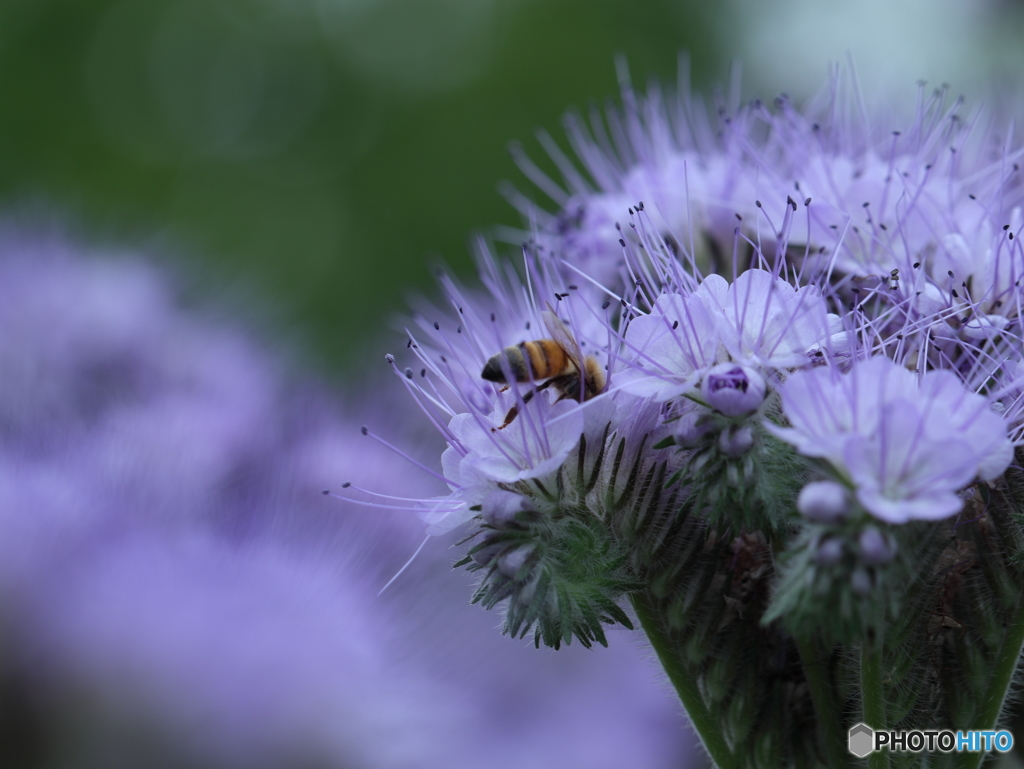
x=437, y=326
x=675, y=325
x=807, y=202
x=364, y=430
x=757, y=203
x=622, y=242
x=345, y=485
x=606, y=303
x=389, y=358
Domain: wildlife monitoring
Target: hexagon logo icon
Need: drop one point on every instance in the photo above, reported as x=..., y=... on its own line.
x=861, y=740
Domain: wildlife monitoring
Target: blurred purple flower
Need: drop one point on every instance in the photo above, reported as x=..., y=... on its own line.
x=173, y=584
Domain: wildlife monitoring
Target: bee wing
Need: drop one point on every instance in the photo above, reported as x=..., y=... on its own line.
x=561, y=334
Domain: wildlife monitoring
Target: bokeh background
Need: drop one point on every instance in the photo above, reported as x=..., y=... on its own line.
x=300, y=165
x=323, y=153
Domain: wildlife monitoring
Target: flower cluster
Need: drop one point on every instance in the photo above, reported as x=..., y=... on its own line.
x=746, y=376
x=856, y=316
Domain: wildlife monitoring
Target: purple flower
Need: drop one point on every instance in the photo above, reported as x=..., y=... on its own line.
x=671, y=347
x=758, y=320
x=859, y=197
x=906, y=443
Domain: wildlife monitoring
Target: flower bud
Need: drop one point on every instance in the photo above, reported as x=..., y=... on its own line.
x=733, y=389
x=510, y=563
x=823, y=501
x=829, y=552
x=500, y=508
x=690, y=428
x=861, y=581
x=736, y=441
x=875, y=548
x=487, y=553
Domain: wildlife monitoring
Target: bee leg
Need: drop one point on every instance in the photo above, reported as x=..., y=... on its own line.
x=514, y=411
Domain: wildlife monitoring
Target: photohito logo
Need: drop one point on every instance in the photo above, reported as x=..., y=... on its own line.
x=862, y=740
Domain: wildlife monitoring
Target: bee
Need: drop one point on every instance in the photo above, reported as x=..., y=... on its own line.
x=556, y=360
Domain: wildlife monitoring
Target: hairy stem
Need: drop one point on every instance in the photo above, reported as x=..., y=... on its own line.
x=709, y=730
x=873, y=695
x=1002, y=676
x=815, y=662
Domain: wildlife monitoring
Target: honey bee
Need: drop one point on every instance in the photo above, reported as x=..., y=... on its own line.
x=556, y=360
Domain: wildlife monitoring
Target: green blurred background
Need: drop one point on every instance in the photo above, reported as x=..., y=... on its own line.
x=321, y=154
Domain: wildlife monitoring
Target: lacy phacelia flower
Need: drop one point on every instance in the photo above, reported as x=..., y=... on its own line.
x=809, y=328
x=907, y=443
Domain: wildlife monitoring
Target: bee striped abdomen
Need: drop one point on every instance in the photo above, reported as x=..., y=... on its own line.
x=529, y=361
x=547, y=359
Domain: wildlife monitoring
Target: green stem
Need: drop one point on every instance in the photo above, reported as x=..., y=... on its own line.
x=873, y=696
x=1002, y=675
x=707, y=727
x=815, y=662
